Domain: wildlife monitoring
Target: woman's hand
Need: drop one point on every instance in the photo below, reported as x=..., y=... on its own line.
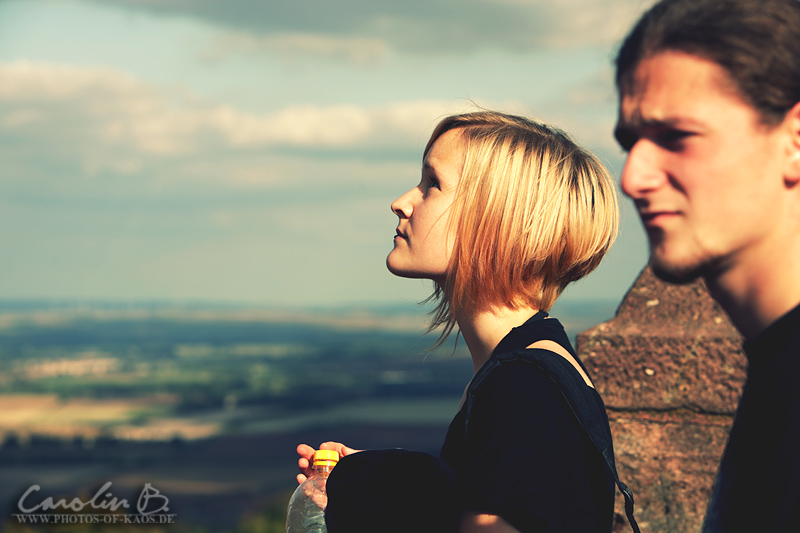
x=306, y=454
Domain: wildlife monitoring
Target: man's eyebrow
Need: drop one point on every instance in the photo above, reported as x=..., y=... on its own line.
x=637, y=122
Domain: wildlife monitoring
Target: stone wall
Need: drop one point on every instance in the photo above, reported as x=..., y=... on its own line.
x=670, y=369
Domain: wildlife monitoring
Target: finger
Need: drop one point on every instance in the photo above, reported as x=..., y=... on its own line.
x=304, y=450
x=301, y=478
x=337, y=446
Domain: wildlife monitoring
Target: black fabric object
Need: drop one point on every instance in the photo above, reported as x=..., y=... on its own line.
x=758, y=482
x=531, y=444
x=391, y=491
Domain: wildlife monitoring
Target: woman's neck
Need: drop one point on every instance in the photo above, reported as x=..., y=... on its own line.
x=484, y=330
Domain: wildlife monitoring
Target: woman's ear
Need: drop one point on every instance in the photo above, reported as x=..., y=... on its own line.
x=792, y=170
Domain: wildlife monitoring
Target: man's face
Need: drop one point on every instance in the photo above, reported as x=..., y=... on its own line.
x=703, y=171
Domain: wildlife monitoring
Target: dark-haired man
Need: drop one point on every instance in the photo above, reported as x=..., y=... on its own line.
x=709, y=114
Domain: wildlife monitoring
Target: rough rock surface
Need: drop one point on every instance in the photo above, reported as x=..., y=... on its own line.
x=670, y=369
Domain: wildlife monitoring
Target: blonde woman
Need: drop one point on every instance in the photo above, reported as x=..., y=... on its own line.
x=507, y=213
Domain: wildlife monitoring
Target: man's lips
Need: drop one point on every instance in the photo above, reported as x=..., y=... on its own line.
x=653, y=217
x=400, y=234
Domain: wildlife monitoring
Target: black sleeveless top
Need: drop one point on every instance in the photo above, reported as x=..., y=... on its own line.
x=518, y=450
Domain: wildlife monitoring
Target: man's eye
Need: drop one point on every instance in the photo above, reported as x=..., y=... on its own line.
x=672, y=139
x=433, y=183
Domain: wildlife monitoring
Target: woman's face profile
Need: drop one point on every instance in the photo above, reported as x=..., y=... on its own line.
x=421, y=246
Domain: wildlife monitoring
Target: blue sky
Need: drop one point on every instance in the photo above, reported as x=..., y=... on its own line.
x=248, y=150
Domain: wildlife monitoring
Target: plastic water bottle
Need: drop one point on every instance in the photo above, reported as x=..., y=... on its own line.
x=306, y=513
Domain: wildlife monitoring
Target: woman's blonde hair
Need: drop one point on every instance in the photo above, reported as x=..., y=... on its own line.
x=532, y=213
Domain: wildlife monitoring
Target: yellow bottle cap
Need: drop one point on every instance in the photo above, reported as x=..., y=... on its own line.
x=326, y=457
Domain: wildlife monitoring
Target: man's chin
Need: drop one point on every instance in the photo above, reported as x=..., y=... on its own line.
x=678, y=275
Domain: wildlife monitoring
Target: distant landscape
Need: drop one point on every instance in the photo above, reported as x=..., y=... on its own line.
x=207, y=403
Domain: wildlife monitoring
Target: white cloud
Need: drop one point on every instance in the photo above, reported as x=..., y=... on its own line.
x=91, y=110
x=290, y=47
x=393, y=125
x=23, y=80
x=309, y=125
x=109, y=120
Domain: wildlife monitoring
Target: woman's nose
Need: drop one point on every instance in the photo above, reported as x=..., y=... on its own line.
x=402, y=207
x=643, y=171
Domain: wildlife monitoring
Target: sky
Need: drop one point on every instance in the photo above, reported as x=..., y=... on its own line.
x=247, y=151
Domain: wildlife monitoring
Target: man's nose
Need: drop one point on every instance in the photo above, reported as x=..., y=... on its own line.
x=643, y=170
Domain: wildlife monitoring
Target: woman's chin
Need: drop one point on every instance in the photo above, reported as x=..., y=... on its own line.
x=401, y=271
x=396, y=267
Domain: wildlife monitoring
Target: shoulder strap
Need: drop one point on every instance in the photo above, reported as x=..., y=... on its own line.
x=590, y=415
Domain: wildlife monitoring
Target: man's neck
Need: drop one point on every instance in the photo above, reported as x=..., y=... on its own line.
x=483, y=331
x=758, y=292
